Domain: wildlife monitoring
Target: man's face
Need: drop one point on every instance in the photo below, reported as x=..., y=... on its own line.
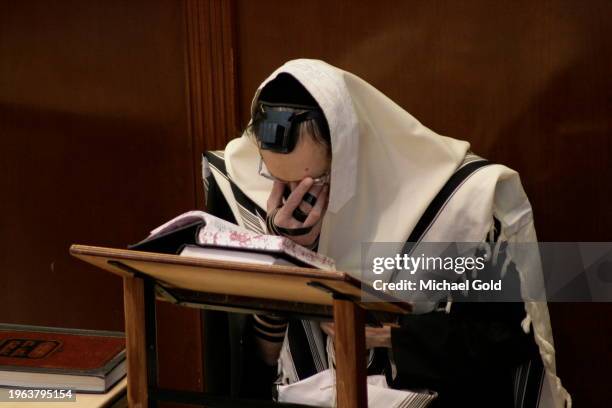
x=308, y=159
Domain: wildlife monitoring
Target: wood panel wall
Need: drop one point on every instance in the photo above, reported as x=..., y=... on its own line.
x=98, y=146
x=526, y=82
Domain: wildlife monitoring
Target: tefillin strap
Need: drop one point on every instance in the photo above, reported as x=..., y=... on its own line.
x=290, y=232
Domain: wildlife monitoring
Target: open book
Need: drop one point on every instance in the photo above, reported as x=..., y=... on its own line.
x=201, y=235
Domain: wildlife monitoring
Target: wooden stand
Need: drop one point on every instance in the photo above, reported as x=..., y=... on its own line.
x=133, y=303
x=237, y=287
x=349, y=345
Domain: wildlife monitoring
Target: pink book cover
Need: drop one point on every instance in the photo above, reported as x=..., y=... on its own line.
x=220, y=233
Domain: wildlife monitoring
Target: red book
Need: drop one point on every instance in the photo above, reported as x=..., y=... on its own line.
x=53, y=358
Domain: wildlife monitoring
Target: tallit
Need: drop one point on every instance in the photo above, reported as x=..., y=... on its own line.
x=386, y=168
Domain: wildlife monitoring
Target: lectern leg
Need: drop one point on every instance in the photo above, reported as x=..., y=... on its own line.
x=349, y=345
x=134, y=304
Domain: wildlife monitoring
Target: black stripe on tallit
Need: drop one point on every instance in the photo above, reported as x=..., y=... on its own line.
x=317, y=357
x=246, y=202
x=529, y=383
x=215, y=200
x=437, y=205
x=217, y=161
x=300, y=350
x=239, y=196
x=442, y=197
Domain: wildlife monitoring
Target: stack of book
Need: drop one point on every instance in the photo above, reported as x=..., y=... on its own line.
x=67, y=359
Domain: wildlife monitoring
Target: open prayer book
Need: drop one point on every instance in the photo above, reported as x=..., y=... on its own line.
x=201, y=235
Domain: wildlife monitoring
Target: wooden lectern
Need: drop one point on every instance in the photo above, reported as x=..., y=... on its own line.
x=244, y=288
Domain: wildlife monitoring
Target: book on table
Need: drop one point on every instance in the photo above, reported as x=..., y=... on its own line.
x=202, y=235
x=53, y=358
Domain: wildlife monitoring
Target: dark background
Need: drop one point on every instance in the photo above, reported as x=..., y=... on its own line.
x=105, y=107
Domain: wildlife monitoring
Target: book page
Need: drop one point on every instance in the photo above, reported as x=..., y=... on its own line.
x=233, y=256
x=220, y=233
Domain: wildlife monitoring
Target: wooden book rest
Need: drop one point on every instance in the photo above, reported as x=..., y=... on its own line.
x=243, y=288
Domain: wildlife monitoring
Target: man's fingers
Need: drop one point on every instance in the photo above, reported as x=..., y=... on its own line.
x=276, y=196
x=296, y=196
x=315, y=213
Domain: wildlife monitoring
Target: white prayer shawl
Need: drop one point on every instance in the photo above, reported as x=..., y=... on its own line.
x=386, y=169
x=500, y=193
